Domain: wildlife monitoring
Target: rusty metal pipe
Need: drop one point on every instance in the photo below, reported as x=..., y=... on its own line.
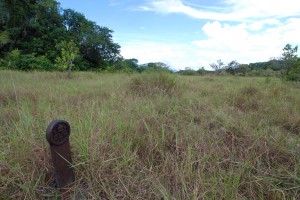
x=57, y=134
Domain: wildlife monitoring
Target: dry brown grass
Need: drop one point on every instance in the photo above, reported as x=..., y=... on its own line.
x=152, y=136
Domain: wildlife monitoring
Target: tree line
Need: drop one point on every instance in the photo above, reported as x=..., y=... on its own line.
x=40, y=35
x=287, y=67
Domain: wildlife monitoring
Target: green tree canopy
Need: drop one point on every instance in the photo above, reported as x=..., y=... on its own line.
x=95, y=42
x=38, y=26
x=291, y=63
x=69, y=52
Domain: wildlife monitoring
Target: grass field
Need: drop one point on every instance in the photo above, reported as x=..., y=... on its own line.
x=152, y=136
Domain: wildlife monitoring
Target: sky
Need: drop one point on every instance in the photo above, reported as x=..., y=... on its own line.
x=195, y=33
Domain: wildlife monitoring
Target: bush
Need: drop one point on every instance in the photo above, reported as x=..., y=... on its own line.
x=294, y=74
x=188, y=72
x=154, y=83
x=2, y=64
x=263, y=72
x=28, y=62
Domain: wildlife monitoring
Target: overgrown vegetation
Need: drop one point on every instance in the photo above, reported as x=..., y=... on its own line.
x=152, y=137
x=286, y=67
x=41, y=31
x=154, y=84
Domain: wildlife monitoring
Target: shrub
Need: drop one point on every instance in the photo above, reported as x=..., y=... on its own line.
x=31, y=62
x=294, y=74
x=26, y=62
x=154, y=83
x=249, y=91
x=247, y=99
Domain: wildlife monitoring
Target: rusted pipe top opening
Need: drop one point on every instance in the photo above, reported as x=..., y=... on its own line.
x=58, y=132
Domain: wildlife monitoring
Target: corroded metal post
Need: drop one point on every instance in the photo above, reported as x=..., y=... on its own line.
x=57, y=134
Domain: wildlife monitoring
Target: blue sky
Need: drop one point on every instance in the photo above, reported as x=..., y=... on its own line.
x=195, y=33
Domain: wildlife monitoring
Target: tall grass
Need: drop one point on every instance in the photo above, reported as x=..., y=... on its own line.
x=152, y=136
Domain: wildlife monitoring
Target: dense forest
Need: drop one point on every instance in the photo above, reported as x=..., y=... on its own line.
x=40, y=35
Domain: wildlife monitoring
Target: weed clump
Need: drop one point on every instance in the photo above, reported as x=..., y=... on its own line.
x=154, y=84
x=249, y=91
x=247, y=99
x=279, y=90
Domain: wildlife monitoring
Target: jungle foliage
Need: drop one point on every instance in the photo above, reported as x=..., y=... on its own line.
x=34, y=35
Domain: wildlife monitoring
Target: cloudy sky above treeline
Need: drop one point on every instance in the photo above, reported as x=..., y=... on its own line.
x=195, y=33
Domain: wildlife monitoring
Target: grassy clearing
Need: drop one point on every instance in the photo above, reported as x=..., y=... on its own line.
x=152, y=136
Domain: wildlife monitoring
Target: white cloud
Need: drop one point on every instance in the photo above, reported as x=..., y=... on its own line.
x=224, y=41
x=176, y=55
x=259, y=25
x=176, y=6
x=238, y=42
x=265, y=8
x=229, y=10
x=260, y=30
